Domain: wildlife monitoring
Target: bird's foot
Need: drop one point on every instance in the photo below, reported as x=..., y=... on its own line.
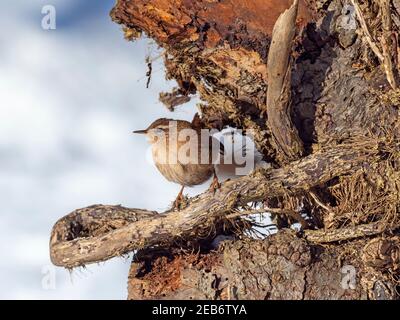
x=179, y=201
x=215, y=185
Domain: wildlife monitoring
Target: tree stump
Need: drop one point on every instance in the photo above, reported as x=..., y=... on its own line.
x=315, y=84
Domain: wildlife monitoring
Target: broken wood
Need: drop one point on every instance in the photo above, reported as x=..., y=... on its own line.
x=388, y=54
x=349, y=233
x=148, y=229
x=282, y=266
x=286, y=137
x=340, y=173
x=388, y=46
x=366, y=31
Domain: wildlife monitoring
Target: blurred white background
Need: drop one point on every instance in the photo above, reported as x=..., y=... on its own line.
x=70, y=98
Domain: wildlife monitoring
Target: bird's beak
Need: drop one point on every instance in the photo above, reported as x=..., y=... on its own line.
x=140, y=131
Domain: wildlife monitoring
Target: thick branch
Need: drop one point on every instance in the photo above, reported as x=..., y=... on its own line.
x=286, y=137
x=349, y=233
x=145, y=229
x=388, y=45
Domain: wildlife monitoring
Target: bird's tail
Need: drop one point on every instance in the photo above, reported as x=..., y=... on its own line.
x=238, y=155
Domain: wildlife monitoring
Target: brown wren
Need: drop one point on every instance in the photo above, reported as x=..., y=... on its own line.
x=183, y=153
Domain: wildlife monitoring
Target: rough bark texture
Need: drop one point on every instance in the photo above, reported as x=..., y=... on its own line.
x=100, y=232
x=283, y=266
x=324, y=113
x=288, y=144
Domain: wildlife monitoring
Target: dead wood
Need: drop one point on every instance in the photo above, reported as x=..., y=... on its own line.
x=389, y=47
x=80, y=238
x=365, y=28
x=322, y=110
x=282, y=266
x=287, y=141
x=349, y=233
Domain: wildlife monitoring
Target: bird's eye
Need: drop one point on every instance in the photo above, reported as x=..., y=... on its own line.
x=159, y=131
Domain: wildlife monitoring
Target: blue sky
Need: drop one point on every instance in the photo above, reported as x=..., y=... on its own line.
x=70, y=99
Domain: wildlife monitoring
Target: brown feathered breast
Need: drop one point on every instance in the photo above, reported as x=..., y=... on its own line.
x=167, y=160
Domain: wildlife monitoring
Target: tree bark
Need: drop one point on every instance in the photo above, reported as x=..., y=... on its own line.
x=316, y=87
x=98, y=233
x=283, y=266
x=288, y=144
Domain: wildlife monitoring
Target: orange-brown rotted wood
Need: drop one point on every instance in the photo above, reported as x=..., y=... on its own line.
x=209, y=21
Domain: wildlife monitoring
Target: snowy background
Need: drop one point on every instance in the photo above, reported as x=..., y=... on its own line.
x=70, y=98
